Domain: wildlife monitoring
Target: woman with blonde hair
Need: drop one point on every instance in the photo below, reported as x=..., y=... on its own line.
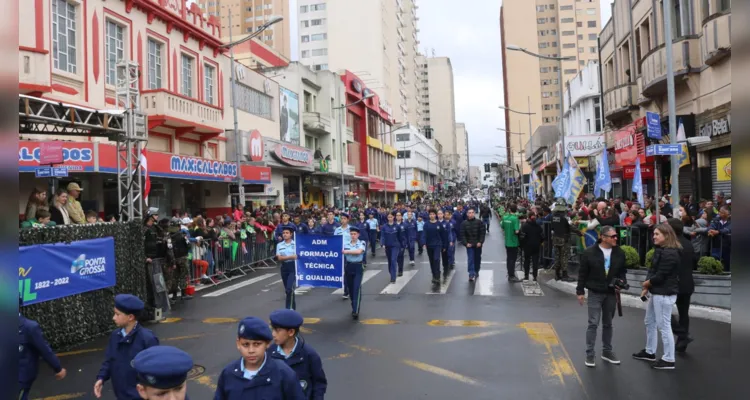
x=662, y=283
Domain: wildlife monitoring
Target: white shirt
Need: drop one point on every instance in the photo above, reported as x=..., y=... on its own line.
x=607, y=257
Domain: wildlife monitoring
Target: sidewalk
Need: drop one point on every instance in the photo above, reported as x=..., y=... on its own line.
x=547, y=277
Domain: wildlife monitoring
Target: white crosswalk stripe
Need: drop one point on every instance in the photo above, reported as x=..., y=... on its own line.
x=239, y=285
x=395, y=288
x=530, y=288
x=445, y=283
x=484, y=283
x=369, y=274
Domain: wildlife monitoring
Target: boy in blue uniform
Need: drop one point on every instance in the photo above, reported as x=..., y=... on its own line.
x=390, y=238
x=297, y=354
x=343, y=230
x=374, y=227
x=420, y=233
x=162, y=373
x=31, y=346
x=354, y=253
x=255, y=376
x=411, y=230
x=125, y=342
x=445, y=254
x=452, y=237
x=364, y=234
x=285, y=223
x=403, y=235
x=286, y=253
x=436, y=238
x=330, y=226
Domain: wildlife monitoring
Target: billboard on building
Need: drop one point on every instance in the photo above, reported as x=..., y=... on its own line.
x=289, y=115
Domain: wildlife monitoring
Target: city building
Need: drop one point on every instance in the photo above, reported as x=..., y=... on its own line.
x=183, y=89
x=323, y=130
x=248, y=16
x=633, y=57
x=462, y=148
x=382, y=52
x=418, y=169
x=475, y=176
x=439, y=112
x=582, y=99
x=557, y=28
x=258, y=55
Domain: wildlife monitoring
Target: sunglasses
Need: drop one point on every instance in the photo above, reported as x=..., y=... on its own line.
x=611, y=236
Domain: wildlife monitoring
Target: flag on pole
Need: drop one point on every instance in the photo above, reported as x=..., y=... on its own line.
x=577, y=179
x=603, y=180
x=147, y=179
x=637, y=183
x=535, y=180
x=561, y=184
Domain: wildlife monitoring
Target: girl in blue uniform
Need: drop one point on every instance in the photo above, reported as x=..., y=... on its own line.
x=373, y=227
x=310, y=228
x=436, y=238
x=420, y=233
x=364, y=234
x=403, y=238
x=411, y=230
x=390, y=239
x=448, y=258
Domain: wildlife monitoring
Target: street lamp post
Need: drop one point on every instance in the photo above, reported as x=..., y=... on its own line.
x=667, y=12
x=341, y=109
x=237, y=139
x=559, y=82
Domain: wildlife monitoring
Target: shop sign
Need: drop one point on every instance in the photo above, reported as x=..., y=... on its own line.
x=626, y=150
x=202, y=167
x=724, y=169
x=50, y=153
x=293, y=155
x=76, y=156
x=585, y=145
x=716, y=127
x=647, y=171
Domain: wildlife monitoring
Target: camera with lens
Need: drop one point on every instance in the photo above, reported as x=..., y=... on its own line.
x=619, y=284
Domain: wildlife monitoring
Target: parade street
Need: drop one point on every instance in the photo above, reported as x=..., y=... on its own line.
x=484, y=340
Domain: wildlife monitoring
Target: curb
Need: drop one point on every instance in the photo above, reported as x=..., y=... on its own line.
x=696, y=311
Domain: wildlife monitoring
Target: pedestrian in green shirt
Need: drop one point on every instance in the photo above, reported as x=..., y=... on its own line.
x=511, y=226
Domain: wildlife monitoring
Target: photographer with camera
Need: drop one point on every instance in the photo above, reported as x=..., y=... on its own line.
x=602, y=271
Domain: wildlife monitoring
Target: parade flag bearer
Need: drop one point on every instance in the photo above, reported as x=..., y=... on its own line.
x=162, y=373
x=354, y=252
x=256, y=376
x=343, y=230
x=286, y=253
x=31, y=346
x=292, y=349
x=125, y=342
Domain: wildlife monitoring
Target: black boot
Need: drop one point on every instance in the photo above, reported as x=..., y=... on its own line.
x=567, y=278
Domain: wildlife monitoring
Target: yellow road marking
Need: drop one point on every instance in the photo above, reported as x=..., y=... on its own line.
x=372, y=352
x=63, y=396
x=558, y=365
x=472, y=336
x=172, y=339
x=302, y=329
x=340, y=356
x=77, y=352
x=220, y=320
x=440, y=371
x=463, y=323
x=170, y=320
x=312, y=321
x=379, y=321
x=206, y=380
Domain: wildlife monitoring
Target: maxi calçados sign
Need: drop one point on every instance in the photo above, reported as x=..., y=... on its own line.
x=320, y=261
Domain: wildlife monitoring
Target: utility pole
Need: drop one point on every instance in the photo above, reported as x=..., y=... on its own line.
x=237, y=139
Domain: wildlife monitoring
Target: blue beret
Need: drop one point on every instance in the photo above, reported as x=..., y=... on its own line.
x=287, y=228
x=128, y=304
x=284, y=318
x=344, y=215
x=162, y=367
x=353, y=229
x=253, y=328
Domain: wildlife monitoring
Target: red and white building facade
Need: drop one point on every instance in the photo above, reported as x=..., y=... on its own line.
x=67, y=52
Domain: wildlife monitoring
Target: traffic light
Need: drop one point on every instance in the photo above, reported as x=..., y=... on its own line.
x=486, y=167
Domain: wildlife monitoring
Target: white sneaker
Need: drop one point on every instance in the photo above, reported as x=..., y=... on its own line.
x=411, y=262
x=346, y=296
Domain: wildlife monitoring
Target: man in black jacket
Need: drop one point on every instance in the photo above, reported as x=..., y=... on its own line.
x=472, y=235
x=688, y=263
x=600, y=266
x=532, y=237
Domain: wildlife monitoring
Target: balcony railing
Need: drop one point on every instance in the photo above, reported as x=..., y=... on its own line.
x=716, y=43
x=618, y=100
x=314, y=122
x=354, y=159
x=687, y=57
x=162, y=102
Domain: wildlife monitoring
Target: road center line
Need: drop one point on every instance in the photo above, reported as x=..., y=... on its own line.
x=238, y=285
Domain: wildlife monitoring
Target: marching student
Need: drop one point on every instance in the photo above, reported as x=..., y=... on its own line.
x=445, y=254
x=411, y=229
x=364, y=234
x=374, y=228
x=162, y=373
x=124, y=343
x=403, y=237
x=293, y=350
x=31, y=346
x=436, y=238
x=255, y=376
x=390, y=238
x=285, y=223
x=420, y=233
x=452, y=236
x=354, y=253
x=286, y=253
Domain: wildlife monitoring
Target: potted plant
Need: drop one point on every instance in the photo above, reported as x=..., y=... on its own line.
x=710, y=266
x=631, y=257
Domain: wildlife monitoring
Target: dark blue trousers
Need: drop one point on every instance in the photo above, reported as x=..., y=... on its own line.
x=400, y=259
x=474, y=259
x=353, y=283
x=289, y=278
x=411, y=249
x=433, y=253
x=392, y=253
x=373, y=240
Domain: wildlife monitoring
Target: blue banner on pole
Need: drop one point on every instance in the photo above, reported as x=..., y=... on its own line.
x=52, y=271
x=320, y=261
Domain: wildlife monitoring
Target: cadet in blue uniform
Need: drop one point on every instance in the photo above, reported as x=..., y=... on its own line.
x=286, y=253
x=436, y=238
x=125, y=342
x=310, y=228
x=31, y=346
x=364, y=234
x=452, y=236
x=411, y=234
x=285, y=223
x=297, y=354
x=374, y=227
x=390, y=239
x=444, y=254
x=330, y=226
x=343, y=230
x=255, y=376
x=354, y=253
x=403, y=235
x=162, y=373
x=420, y=233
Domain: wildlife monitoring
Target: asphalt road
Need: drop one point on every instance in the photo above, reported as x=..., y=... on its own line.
x=487, y=340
